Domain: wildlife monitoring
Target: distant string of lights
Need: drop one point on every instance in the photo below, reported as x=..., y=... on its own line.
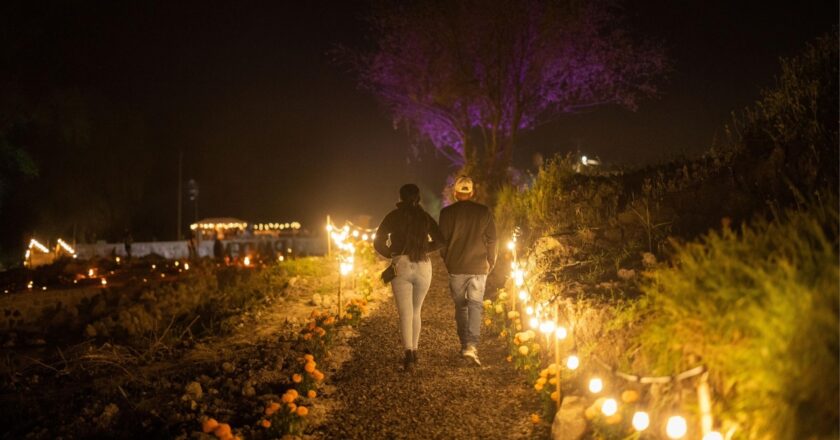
x=210, y=226
x=676, y=426
x=35, y=245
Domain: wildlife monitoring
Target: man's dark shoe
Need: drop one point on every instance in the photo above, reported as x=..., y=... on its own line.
x=414, y=357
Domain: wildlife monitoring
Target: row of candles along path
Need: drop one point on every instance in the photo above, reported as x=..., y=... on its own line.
x=676, y=426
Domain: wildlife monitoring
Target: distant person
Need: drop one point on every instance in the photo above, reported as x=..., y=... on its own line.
x=128, y=240
x=218, y=249
x=404, y=237
x=469, y=251
x=192, y=247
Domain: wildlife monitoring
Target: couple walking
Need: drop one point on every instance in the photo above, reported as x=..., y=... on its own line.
x=466, y=238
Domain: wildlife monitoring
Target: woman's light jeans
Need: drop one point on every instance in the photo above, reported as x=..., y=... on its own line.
x=410, y=287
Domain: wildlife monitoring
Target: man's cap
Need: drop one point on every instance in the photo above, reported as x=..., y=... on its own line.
x=464, y=185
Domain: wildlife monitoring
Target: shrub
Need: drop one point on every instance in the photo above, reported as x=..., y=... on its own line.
x=760, y=310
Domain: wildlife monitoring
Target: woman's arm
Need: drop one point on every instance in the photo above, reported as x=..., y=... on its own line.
x=434, y=232
x=380, y=243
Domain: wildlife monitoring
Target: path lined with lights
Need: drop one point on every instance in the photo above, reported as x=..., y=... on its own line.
x=445, y=397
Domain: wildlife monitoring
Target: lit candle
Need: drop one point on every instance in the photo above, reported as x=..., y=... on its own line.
x=676, y=427
x=641, y=420
x=609, y=407
x=596, y=385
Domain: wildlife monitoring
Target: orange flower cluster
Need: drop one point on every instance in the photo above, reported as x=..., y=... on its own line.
x=222, y=431
x=548, y=376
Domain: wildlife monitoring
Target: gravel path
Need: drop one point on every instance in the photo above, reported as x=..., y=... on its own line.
x=444, y=398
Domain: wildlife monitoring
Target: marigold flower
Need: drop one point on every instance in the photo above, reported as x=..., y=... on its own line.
x=487, y=321
x=311, y=394
x=554, y=395
x=523, y=350
x=309, y=367
x=538, y=386
x=302, y=411
x=265, y=423
x=509, y=358
x=513, y=314
x=552, y=369
x=329, y=321
x=209, y=425
x=271, y=409
x=499, y=309
x=297, y=378
x=320, y=331
x=319, y=376
x=292, y=407
x=553, y=381
x=309, y=358
x=516, y=340
x=307, y=336
x=542, y=381
x=311, y=325
x=535, y=418
x=629, y=396
x=222, y=431
x=544, y=373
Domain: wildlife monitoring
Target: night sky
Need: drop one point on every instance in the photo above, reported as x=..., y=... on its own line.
x=274, y=130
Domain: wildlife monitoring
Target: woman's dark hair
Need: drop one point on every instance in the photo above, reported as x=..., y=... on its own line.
x=417, y=226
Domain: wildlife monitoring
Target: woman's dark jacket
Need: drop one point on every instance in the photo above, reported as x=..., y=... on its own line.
x=395, y=226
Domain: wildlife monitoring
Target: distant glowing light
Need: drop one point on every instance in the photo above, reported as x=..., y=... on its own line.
x=523, y=295
x=641, y=421
x=104, y=282
x=246, y=261
x=355, y=234
x=714, y=435
x=676, y=427
x=177, y=263
x=547, y=327
x=572, y=362
x=561, y=333
x=186, y=266
x=36, y=244
x=154, y=266
x=610, y=407
x=346, y=268
x=519, y=277
x=529, y=310
x=91, y=273
x=534, y=322
x=511, y=245
x=118, y=260
x=596, y=385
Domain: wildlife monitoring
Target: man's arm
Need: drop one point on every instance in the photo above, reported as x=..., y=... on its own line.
x=490, y=239
x=445, y=232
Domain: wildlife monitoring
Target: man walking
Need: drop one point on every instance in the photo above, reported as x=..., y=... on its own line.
x=469, y=251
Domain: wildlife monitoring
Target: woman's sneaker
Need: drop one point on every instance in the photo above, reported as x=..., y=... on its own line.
x=471, y=353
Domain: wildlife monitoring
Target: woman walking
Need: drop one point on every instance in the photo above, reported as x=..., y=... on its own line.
x=406, y=235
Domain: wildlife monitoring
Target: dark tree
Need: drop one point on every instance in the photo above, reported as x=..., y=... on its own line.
x=469, y=76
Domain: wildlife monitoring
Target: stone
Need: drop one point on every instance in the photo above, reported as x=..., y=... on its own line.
x=193, y=390
x=569, y=423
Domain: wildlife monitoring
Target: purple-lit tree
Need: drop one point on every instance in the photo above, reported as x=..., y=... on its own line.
x=469, y=76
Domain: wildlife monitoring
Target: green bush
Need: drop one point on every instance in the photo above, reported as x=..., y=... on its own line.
x=760, y=309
